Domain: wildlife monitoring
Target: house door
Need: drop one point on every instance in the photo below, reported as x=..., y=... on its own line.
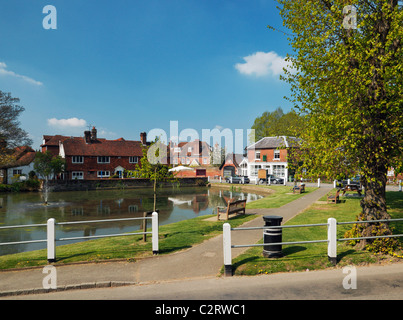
x=119, y=171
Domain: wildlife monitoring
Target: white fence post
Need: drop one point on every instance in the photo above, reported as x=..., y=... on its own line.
x=154, y=235
x=334, y=183
x=227, y=249
x=51, y=240
x=332, y=240
x=318, y=182
x=400, y=185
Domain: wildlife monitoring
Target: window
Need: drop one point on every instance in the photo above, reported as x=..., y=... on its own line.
x=177, y=150
x=77, y=159
x=255, y=169
x=190, y=149
x=17, y=171
x=77, y=175
x=279, y=171
x=257, y=155
x=103, y=159
x=133, y=208
x=133, y=159
x=205, y=160
x=103, y=174
x=276, y=154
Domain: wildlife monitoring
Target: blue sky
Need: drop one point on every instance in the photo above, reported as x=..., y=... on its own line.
x=132, y=66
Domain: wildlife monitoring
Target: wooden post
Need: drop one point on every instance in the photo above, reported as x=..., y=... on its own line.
x=145, y=226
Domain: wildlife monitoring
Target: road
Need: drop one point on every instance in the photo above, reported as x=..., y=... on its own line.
x=372, y=282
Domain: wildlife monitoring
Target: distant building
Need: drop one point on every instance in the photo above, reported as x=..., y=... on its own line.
x=231, y=165
x=22, y=164
x=193, y=153
x=270, y=153
x=90, y=157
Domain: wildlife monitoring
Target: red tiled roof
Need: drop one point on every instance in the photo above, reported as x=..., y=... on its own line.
x=54, y=140
x=22, y=156
x=76, y=146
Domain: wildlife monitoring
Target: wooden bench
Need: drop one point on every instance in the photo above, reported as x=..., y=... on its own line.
x=334, y=198
x=352, y=187
x=232, y=207
x=299, y=189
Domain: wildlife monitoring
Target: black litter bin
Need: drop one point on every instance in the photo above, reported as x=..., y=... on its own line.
x=272, y=235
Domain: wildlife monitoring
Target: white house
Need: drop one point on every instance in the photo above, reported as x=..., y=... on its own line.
x=22, y=164
x=269, y=153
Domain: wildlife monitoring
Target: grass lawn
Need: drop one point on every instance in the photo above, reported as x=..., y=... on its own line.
x=282, y=195
x=314, y=256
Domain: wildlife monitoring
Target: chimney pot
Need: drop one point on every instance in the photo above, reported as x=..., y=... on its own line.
x=143, y=138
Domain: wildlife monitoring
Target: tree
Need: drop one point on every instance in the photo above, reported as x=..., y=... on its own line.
x=10, y=130
x=347, y=81
x=152, y=165
x=47, y=167
x=278, y=123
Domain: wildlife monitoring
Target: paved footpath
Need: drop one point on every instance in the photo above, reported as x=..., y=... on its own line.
x=200, y=261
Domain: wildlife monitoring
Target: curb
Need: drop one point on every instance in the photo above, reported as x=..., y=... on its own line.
x=88, y=285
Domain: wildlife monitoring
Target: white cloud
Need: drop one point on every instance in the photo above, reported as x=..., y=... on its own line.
x=262, y=64
x=67, y=123
x=3, y=71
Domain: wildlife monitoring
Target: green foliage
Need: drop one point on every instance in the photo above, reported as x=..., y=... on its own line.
x=348, y=84
x=46, y=165
x=278, y=123
x=149, y=170
x=379, y=245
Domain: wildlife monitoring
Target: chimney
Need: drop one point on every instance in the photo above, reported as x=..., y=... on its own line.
x=87, y=136
x=93, y=134
x=143, y=138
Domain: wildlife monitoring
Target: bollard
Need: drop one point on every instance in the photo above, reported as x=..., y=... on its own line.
x=154, y=234
x=51, y=240
x=272, y=235
x=332, y=240
x=227, y=249
x=318, y=182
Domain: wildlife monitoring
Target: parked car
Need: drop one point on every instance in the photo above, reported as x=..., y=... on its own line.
x=273, y=180
x=237, y=179
x=353, y=180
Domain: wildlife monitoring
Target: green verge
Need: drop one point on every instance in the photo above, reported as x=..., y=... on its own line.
x=282, y=196
x=303, y=257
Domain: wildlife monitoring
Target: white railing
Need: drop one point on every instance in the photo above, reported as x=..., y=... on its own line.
x=331, y=239
x=51, y=233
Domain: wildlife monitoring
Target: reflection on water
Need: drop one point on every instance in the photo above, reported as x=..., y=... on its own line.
x=173, y=204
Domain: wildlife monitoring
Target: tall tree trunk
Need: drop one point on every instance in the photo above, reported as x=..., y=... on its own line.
x=374, y=207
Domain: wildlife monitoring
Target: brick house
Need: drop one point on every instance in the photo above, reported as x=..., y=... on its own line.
x=270, y=153
x=90, y=157
x=231, y=165
x=190, y=153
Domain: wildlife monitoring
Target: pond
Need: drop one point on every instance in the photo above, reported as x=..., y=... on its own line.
x=174, y=204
